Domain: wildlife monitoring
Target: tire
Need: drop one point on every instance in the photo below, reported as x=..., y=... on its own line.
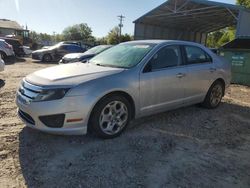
x=110, y=116
x=214, y=95
x=3, y=55
x=47, y=58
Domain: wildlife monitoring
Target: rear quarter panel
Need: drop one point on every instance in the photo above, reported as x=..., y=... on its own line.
x=224, y=69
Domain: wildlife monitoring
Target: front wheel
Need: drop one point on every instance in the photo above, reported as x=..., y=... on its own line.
x=47, y=58
x=214, y=95
x=111, y=116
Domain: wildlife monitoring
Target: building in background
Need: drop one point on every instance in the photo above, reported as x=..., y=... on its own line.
x=12, y=29
x=191, y=20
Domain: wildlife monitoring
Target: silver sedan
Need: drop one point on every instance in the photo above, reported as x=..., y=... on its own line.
x=128, y=81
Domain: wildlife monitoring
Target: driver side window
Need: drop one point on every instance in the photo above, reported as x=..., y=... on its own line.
x=169, y=56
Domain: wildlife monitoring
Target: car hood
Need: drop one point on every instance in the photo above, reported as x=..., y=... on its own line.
x=41, y=51
x=69, y=74
x=77, y=56
x=73, y=56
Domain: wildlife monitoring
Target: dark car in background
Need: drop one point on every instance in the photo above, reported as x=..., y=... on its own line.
x=70, y=42
x=215, y=50
x=17, y=46
x=56, y=52
x=83, y=57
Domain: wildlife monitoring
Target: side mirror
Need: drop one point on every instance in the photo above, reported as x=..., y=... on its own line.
x=148, y=67
x=150, y=64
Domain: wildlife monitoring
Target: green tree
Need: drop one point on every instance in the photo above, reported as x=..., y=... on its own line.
x=113, y=36
x=213, y=39
x=100, y=41
x=59, y=37
x=45, y=37
x=78, y=32
x=229, y=35
x=245, y=3
x=35, y=37
x=218, y=38
x=126, y=37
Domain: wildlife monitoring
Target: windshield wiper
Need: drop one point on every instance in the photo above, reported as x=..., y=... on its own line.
x=112, y=66
x=101, y=65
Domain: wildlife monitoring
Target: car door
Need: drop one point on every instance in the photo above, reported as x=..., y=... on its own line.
x=161, y=81
x=200, y=73
x=61, y=51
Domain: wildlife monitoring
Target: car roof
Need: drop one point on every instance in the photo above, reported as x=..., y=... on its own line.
x=160, y=42
x=70, y=45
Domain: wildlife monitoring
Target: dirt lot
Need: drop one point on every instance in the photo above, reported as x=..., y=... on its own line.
x=189, y=147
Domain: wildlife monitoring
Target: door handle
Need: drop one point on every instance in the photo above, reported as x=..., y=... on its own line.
x=212, y=70
x=180, y=75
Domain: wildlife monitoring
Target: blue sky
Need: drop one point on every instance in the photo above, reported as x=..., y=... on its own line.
x=50, y=16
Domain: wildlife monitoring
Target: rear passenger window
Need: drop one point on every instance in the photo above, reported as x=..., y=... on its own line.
x=166, y=57
x=75, y=48
x=196, y=55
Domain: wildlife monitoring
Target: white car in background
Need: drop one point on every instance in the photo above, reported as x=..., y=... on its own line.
x=6, y=50
x=2, y=64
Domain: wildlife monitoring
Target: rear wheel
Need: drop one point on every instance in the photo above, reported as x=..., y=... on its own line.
x=214, y=95
x=3, y=55
x=47, y=58
x=111, y=116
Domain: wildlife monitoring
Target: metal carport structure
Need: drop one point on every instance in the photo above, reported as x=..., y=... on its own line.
x=191, y=20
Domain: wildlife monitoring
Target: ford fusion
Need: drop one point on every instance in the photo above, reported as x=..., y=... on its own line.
x=128, y=81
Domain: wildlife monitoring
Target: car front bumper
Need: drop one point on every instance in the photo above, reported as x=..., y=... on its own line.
x=36, y=56
x=74, y=123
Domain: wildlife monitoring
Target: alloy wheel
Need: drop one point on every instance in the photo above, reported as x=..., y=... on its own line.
x=113, y=118
x=216, y=95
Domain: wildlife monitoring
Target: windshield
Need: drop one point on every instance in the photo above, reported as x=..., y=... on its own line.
x=54, y=47
x=97, y=49
x=123, y=55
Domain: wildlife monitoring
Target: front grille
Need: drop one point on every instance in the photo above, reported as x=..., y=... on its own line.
x=35, y=56
x=29, y=91
x=26, y=117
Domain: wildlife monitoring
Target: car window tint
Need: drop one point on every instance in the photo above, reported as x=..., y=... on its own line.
x=73, y=48
x=166, y=57
x=76, y=48
x=196, y=55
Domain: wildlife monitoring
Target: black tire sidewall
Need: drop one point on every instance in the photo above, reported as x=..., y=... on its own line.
x=3, y=55
x=47, y=60
x=94, y=121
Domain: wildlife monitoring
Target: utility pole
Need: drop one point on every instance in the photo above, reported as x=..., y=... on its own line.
x=121, y=18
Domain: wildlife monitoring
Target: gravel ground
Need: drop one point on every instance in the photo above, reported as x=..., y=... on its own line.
x=188, y=147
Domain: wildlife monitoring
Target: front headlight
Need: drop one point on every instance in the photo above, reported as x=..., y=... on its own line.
x=49, y=95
